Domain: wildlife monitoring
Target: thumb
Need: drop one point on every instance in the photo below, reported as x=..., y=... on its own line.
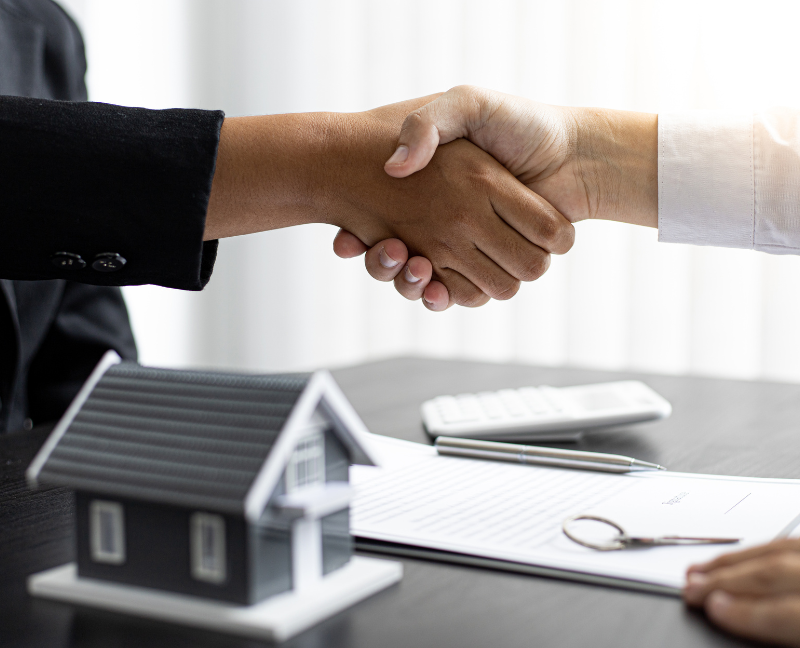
x=444, y=119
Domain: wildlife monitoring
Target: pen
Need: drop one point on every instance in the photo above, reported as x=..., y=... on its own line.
x=539, y=456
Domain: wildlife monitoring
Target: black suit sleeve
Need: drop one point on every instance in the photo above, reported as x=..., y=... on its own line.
x=91, y=178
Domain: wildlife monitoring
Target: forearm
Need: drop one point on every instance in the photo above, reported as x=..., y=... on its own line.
x=615, y=156
x=277, y=171
x=264, y=171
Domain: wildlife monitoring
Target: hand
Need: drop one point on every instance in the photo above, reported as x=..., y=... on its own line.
x=388, y=261
x=586, y=162
x=754, y=593
x=549, y=232
x=464, y=212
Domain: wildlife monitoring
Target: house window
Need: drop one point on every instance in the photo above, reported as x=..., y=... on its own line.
x=207, y=537
x=307, y=463
x=107, y=532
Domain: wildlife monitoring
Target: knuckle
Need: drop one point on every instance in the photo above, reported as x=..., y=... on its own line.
x=505, y=289
x=462, y=89
x=466, y=90
x=413, y=122
x=554, y=230
x=559, y=234
x=774, y=568
x=470, y=297
x=567, y=239
x=535, y=267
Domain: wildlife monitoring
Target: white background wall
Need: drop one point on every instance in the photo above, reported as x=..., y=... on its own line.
x=282, y=300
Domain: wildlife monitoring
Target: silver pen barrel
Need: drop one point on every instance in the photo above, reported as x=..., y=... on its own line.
x=540, y=456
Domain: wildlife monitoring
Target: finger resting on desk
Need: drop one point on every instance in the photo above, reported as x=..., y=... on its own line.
x=769, y=618
x=728, y=559
x=770, y=574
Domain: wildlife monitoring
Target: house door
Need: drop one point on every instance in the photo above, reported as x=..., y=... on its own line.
x=306, y=553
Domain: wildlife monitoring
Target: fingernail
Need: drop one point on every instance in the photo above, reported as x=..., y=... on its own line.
x=719, y=602
x=385, y=260
x=399, y=156
x=696, y=580
x=410, y=278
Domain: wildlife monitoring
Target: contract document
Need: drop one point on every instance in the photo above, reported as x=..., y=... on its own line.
x=509, y=516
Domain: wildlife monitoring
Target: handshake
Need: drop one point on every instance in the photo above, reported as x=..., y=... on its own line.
x=457, y=198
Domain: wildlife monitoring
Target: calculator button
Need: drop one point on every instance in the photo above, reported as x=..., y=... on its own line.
x=469, y=407
x=533, y=399
x=491, y=405
x=512, y=402
x=448, y=409
x=552, y=396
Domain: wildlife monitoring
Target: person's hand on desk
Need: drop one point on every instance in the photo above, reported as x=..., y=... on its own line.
x=754, y=593
x=464, y=212
x=586, y=162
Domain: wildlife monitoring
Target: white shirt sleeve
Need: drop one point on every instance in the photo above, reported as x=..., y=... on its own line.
x=730, y=179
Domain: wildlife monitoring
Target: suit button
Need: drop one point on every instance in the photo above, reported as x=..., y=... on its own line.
x=108, y=262
x=68, y=261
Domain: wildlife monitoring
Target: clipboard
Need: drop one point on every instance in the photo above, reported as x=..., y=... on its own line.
x=508, y=516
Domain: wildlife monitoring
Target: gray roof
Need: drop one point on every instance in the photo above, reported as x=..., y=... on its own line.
x=188, y=438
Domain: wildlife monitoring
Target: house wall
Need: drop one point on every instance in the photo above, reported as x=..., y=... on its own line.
x=337, y=543
x=337, y=463
x=271, y=551
x=157, y=551
x=271, y=543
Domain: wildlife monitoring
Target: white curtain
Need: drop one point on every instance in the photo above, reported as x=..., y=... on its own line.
x=282, y=300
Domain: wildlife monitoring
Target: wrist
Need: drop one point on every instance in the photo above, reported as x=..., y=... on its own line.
x=615, y=162
x=353, y=152
x=266, y=173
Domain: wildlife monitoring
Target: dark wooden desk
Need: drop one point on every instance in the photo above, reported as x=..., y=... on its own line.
x=718, y=426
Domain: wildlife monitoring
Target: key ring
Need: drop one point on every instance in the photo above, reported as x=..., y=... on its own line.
x=624, y=541
x=613, y=545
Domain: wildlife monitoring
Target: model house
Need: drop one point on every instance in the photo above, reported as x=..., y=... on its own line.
x=228, y=487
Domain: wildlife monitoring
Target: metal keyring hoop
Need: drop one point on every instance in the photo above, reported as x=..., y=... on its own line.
x=613, y=546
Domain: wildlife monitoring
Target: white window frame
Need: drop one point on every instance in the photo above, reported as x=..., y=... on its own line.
x=101, y=511
x=306, y=465
x=200, y=526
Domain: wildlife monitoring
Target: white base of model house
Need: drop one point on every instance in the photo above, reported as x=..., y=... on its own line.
x=277, y=618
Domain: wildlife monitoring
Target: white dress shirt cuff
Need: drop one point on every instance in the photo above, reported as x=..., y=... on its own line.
x=705, y=179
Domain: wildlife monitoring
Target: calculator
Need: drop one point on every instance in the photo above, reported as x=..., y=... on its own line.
x=543, y=413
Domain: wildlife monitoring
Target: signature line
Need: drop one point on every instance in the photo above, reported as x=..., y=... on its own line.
x=737, y=503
